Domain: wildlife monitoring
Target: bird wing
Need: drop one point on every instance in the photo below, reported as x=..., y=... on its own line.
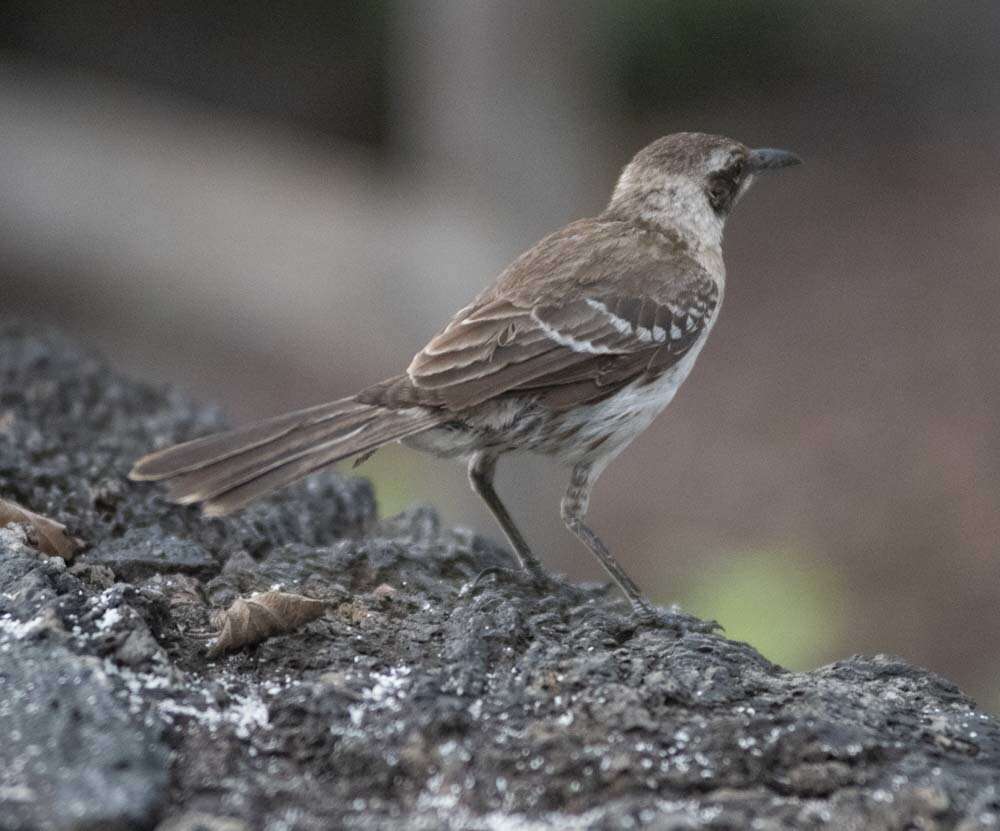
x=585, y=312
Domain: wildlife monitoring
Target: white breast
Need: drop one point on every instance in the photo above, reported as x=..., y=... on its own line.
x=626, y=414
x=593, y=433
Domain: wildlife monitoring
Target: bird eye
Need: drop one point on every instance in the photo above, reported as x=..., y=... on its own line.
x=719, y=194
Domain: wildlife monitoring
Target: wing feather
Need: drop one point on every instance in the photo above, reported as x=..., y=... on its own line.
x=589, y=309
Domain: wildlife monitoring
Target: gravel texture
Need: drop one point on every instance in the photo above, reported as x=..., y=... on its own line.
x=410, y=704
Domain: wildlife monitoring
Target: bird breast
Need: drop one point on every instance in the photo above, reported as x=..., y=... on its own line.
x=605, y=429
x=593, y=433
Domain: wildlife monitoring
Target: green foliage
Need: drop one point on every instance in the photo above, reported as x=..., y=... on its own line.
x=394, y=476
x=787, y=605
x=664, y=52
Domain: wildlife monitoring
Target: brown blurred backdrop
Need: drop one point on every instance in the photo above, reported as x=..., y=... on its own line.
x=271, y=207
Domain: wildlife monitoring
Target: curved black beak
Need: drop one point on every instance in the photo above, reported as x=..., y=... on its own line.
x=767, y=158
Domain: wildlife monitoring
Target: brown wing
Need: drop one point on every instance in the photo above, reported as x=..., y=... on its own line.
x=612, y=303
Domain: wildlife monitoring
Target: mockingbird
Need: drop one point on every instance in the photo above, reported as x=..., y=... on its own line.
x=572, y=352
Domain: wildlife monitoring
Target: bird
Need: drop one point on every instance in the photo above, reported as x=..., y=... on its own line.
x=571, y=353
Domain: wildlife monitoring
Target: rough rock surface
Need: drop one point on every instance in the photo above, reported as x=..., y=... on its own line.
x=409, y=704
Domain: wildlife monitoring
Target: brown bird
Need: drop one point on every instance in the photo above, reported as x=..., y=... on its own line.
x=572, y=352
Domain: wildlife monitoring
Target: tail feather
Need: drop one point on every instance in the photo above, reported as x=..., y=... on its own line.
x=229, y=470
x=193, y=455
x=221, y=475
x=275, y=478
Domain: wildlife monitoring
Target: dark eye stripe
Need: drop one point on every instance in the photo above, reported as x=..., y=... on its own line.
x=722, y=189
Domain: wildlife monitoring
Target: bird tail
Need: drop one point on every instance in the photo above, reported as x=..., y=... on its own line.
x=228, y=470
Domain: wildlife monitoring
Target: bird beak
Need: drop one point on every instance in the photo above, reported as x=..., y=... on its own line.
x=767, y=158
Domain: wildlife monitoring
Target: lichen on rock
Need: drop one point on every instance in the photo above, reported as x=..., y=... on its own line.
x=408, y=703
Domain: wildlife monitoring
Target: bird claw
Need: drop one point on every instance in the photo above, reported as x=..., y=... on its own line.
x=499, y=573
x=648, y=616
x=538, y=582
x=514, y=577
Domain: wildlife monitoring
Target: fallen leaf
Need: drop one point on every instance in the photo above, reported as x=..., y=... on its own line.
x=260, y=616
x=47, y=535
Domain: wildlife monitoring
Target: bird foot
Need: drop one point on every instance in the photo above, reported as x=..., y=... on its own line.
x=647, y=616
x=537, y=582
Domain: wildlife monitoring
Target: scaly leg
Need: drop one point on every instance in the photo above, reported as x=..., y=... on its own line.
x=482, y=467
x=574, y=509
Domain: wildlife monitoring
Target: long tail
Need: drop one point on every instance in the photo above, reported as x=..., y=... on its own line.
x=228, y=470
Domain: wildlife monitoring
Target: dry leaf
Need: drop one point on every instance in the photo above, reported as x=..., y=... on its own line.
x=260, y=616
x=47, y=535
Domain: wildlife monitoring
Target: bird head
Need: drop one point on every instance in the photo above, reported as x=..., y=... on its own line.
x=691, y=181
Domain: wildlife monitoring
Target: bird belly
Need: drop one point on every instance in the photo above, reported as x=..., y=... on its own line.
x=593, y=433
x=501, y=425
x=603, y=430
x=588, y=433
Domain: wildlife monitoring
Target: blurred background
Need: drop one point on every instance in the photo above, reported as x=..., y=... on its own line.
x=272, y=207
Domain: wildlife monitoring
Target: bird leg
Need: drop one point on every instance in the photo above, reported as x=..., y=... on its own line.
x=574, y=509
x=482, y=467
